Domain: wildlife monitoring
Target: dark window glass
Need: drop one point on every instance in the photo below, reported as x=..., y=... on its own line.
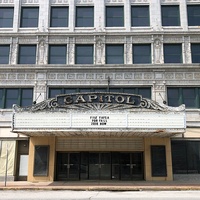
x=84, y=16
x=186, y=157
x=158, y=161
x=193, y=12
x=41, y=161
x=170, y=15
x=59, y=16
x=187, y=95
x=140, y=16
x=114, y=16
x=27, y=54
x=195, y=48
x=141, y=53
x=172, y=53
x=12, y=97
x=84, y=54
x=6, y=17
x=145, y=92
x=57, y=54
x=26, y=97
x=1, y=98
x=29, y=17
x=4, y=54
x=114, y=54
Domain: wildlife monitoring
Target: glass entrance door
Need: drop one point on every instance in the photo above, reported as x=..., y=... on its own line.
x=99, y=166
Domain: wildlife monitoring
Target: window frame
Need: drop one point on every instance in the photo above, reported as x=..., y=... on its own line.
x=52, y=19
x=193, y=19
x=112, y=21
x=139, y=17
x=5, y=56
x=144, y=54
x=167, y=18
x=169, y=53
x=109, y=56
x=84, y=18
x=23, y=20
x=5, y=20
x=19, y=98
x=63, y=57
x=20, y=55
x=79, y=54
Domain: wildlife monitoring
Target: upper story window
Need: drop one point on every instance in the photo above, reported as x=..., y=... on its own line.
x=141, y=53
x=193, y=12
x=140, y=16
x=84, y=54
x=114, y=54
x=29, y=17
x=144, y=91
x=59, y=16
x=172, y=53
x=20, y=96
x=57, y=54
x=27, y=54
x=170, y=15
x=114, y=16
x=184, y=95
x=4, y=54
x=84, y=16
x=195, y=49
x=6, y=17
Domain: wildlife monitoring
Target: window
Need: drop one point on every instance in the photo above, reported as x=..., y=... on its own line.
x=114, y=16
x=29, y=17
x=140, y=16
x=4, y=54
x=144, y=91
x=9, y=96
x=6, y=17
x=84, y=54
x=27, y=54
x=57, y=54
x=84, y=16
x=114, y=54
x=172, y=53
x=141, y=53
x=195, y=48
x=193, y=12
x=170, y=15
x=187, y=95
x=185, y=157
x=59, y=16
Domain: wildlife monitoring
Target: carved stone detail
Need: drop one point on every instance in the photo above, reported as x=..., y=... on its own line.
x=99, y=50
x=42, y=51
x=179, y=76
x=3, y=76
x=139, y=1
x=84, y=1
x=169, y=76
x=7, y=1
x=157, y=51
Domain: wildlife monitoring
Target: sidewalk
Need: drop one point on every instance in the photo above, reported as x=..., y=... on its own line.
x=102, y=185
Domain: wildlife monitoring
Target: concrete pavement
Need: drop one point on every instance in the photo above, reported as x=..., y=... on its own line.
x=103, y=185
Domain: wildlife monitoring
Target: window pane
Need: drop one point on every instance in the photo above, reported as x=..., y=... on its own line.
x=193, y=12
x=173, y=97
x=12, y=96
x=29, y=17
x=59, y=17
x=114, y=16
x=141, y=53
x=54, y=91
x=195, y=53
x=84, y=54
x=27, y=54
x=170, y=16
x=140, y=16
x=26, y=97
x=84, y=16
x=118, y=90
x=172, y=53
x=189, y=97
x=145, y=92
x=57, y=54
x=1, y=98
x=4, y=54
x=85, y=89
x=114, y=54
x=6, y=17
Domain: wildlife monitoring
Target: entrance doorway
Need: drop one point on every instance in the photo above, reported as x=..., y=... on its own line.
x=99, y=166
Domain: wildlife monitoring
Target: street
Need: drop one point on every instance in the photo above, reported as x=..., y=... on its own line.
x=92, y=195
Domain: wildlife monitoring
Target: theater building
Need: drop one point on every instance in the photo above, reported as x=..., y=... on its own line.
x=99, y=90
